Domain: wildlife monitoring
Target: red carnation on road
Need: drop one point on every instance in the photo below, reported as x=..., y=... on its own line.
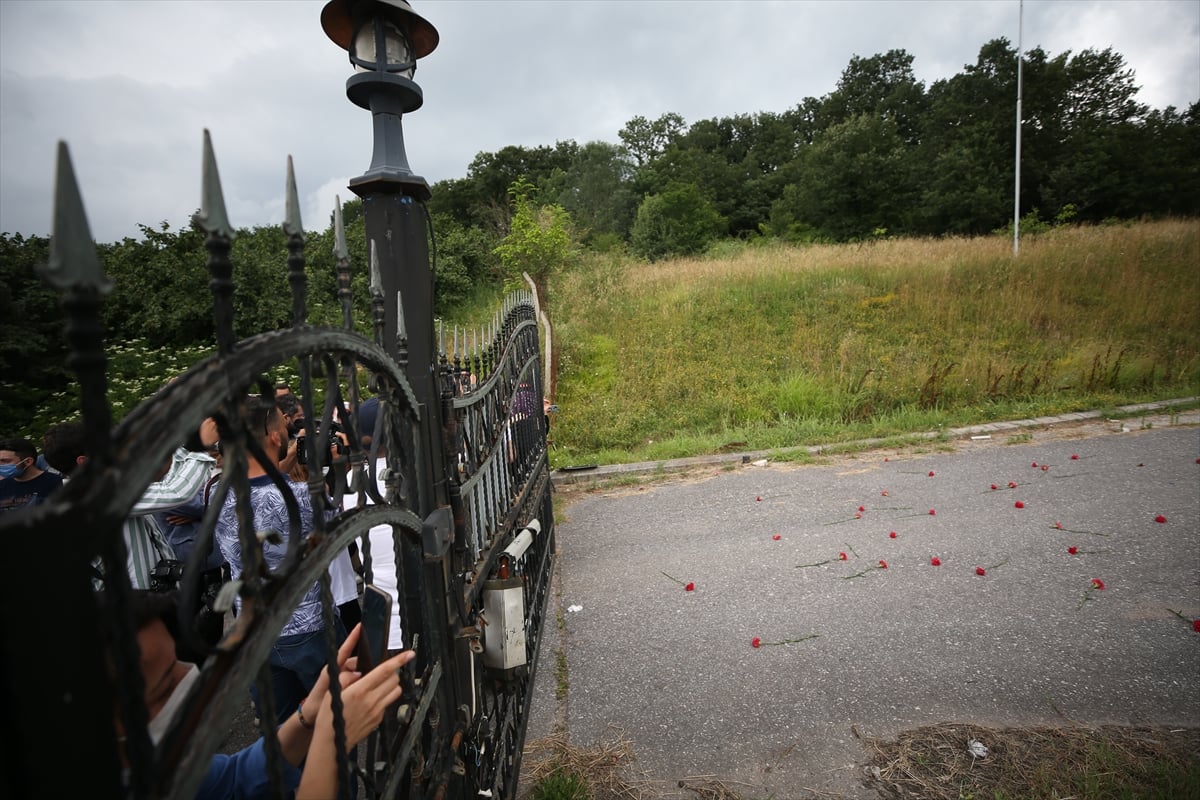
x=1160, y=519
x=777, y=537
x=882, y=564
x=1045, y=467
x=1018, y=504
x=755, y=642
x=862, y=508
x=1012, y=484
x=884, y=493
x=841, y=556
x=691, y=587
x=931, y=473
x=1074, y=456
x=758, y=499
x=935, y=562
x=1097, y=583
x=933, y=512
x=994, y=487
x=1196, y=622
x=1073, y=550
x=1034, y=465
x=980, y=571
x=892, y=535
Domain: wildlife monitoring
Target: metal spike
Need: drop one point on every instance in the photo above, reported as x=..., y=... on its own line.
x=401, y=328
x=340, y=251
x=376, y=277
x=291, y=219
x=211, y=218
x=73, y=260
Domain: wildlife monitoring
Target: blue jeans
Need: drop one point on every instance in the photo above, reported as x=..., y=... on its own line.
x=296, y=663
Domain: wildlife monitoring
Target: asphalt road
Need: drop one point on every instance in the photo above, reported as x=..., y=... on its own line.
x=675, y=673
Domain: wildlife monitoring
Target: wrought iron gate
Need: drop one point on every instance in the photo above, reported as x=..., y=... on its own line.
x=472, y=532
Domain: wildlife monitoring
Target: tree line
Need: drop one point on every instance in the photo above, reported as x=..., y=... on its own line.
x=880, y=155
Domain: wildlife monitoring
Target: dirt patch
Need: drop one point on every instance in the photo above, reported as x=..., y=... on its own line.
x=936, y=762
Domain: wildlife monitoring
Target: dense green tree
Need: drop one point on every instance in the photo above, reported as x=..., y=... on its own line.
x=596, y=190
x=679, y=221
x=856, y=180
x=646, y=140
x=540, y=240
x=32, y=348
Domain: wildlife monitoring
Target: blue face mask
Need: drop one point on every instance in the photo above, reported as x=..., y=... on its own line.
x=10, y=470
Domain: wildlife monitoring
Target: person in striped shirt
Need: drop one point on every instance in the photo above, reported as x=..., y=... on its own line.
x=145, y=544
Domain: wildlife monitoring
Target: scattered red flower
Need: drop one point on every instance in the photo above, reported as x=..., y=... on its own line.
x=1160, y=519
x=1045, y=467
x=691, y=587
x=755, y=642
x=841, y=556
x=862, y=508
x=1074, y=456
x=882, y=564
x=885, y=459
x=1141, y=465
x=892, y=535
x=1196, y=622
x=1018, y=504
x=1012, y=484
x=994, y=487
x=1198, y=460
x=857, y=515
x=1058, y=525
x=1073, y=550
x=1034, y=465
x=885, y=494
x=931, y=473
x=932, y=512
x=777, y=537
x=980, y=571
x=1097, y=583
x=758, y=499
x=935, y=561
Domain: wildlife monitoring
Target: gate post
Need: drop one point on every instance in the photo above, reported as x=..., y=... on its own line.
x=384, y=39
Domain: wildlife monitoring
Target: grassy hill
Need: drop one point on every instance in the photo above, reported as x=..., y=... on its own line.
x=763, y=346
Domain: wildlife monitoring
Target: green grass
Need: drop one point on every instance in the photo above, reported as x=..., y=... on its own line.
x=780, y=346
x=561, y=785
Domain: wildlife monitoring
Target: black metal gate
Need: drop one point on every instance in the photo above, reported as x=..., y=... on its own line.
x=467, y=496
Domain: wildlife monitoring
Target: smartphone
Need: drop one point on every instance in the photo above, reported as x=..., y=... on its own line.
x=376, y=622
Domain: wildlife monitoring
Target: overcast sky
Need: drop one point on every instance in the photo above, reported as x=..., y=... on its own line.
x=131, y=85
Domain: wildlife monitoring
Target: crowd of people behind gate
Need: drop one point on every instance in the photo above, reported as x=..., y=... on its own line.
x=160, y=535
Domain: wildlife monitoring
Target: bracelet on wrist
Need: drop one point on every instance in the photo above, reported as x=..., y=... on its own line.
x=304, y=723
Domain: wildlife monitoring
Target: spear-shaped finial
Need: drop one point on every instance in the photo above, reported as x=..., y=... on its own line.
x=73, y=262
x=291, y=219
x=340, y=251
x=211, y=218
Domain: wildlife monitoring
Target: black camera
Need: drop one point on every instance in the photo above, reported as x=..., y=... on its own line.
x=166, y=575
x=330, y=440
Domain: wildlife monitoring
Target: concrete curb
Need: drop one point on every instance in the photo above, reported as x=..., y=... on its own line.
x=561, y=477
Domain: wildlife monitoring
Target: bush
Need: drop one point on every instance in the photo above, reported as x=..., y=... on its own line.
x=677, y=222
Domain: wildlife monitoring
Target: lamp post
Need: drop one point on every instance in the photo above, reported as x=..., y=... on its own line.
x=384, y=39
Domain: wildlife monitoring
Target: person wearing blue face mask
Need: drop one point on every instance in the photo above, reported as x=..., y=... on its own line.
x=22, y=483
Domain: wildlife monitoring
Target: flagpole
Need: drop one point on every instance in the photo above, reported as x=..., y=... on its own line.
x=1017, y=171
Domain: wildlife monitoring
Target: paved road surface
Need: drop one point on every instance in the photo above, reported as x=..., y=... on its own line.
x=674, y=672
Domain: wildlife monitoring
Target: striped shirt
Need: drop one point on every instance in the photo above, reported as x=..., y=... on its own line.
x=145, y=544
